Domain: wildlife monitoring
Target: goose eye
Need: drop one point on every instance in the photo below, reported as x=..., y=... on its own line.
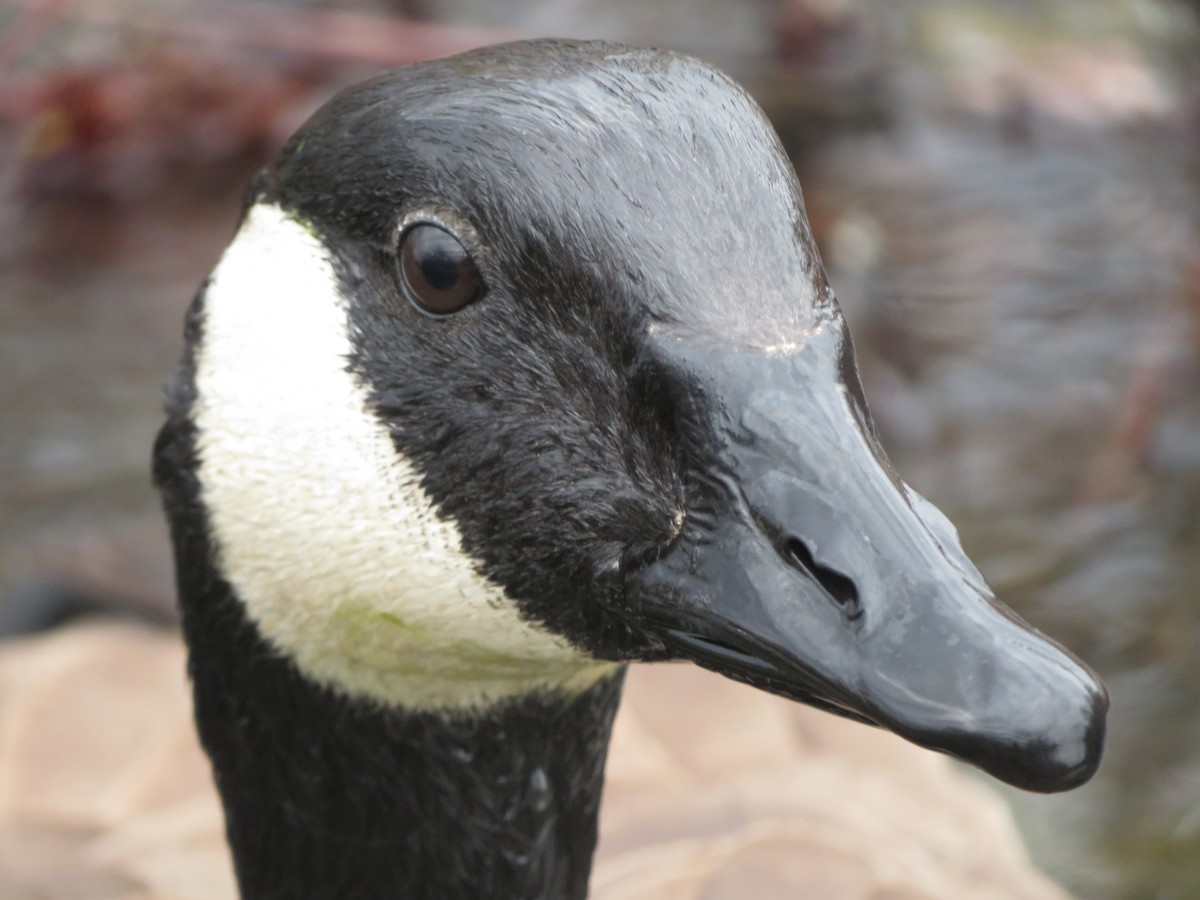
x=437, y=273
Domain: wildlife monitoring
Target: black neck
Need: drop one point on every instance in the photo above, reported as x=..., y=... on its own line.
x=330, y=797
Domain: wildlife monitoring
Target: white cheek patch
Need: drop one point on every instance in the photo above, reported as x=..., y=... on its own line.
x=320, y=525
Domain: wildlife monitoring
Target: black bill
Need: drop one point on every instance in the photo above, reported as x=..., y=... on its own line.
x=808, y=568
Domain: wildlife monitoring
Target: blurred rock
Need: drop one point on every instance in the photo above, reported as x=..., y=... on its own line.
x=714, y=791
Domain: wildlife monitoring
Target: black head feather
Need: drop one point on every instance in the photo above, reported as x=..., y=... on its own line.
x=602, y=191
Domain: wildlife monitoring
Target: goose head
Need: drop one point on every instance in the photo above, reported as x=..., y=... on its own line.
x=523, y=365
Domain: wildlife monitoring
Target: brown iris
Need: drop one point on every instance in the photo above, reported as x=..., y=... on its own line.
x=438, y=274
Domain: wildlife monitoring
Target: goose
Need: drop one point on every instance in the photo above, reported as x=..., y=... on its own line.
x=522, y=366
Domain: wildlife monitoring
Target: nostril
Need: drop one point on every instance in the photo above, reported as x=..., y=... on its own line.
x=837, y=585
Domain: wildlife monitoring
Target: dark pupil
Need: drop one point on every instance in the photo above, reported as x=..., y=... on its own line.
x=439, y=274
x=440, y=268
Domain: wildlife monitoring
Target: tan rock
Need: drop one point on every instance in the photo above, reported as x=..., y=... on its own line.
x=715, y=791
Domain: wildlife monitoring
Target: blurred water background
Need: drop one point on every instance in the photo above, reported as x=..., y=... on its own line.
x=1007, y=195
